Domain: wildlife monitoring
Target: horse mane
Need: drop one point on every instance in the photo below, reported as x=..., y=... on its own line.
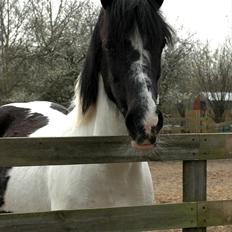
x=87, y=85
x=115, y=24
x=125, y=15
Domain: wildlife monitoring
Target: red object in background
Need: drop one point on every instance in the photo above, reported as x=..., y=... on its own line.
x=200, y=104
x=197, y=103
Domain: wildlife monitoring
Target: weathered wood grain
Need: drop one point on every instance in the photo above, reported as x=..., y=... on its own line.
x=194, y=185
x=58, y=151
x=215, y=213
x=215, y=146
x=144, y=218
x=116, y=219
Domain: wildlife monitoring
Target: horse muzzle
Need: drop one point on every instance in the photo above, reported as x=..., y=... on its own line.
x=144, y=140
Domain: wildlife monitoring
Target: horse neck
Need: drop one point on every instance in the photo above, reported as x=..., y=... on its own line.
x=103, y=119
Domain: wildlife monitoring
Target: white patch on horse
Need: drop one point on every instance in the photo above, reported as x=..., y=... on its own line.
x=150, y=118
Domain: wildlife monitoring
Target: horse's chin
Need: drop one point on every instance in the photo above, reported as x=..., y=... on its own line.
x=144, y=146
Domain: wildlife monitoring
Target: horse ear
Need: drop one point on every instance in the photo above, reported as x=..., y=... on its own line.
x=159, y=2
x=90, y=74
x=105, y=3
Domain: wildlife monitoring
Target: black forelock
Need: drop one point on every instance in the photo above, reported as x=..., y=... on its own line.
x=124, y=15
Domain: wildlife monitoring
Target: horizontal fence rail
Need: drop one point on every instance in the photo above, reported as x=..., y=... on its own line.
x=157, y=217
x=89, y=150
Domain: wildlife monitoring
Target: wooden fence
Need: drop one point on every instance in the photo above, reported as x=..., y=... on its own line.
x=194, y=214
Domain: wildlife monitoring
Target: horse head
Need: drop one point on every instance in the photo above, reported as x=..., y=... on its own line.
x=125, y=50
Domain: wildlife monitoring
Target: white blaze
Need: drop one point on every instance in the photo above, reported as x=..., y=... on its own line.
x=150, y=117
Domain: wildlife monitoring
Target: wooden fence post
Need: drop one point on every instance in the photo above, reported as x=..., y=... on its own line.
x=194, y=185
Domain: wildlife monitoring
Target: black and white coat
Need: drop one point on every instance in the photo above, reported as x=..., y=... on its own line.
x=30, y=119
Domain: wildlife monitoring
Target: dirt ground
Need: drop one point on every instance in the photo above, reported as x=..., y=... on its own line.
x=167, y=178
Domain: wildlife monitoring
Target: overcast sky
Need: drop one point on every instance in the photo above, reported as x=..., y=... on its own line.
x=208, y=19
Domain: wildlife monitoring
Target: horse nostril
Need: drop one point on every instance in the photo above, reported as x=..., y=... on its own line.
x=160, y=122
x=152, y=140
x=154, y=130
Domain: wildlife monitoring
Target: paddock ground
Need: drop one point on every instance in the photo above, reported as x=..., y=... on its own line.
x=167, y=177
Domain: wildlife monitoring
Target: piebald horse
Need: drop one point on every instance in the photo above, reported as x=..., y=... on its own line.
x=116, y=94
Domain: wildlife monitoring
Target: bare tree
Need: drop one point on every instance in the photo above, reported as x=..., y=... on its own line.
x=213, y=70
x=42, y=47
x=60, y=38
x=12, y=41
x=176, y=82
